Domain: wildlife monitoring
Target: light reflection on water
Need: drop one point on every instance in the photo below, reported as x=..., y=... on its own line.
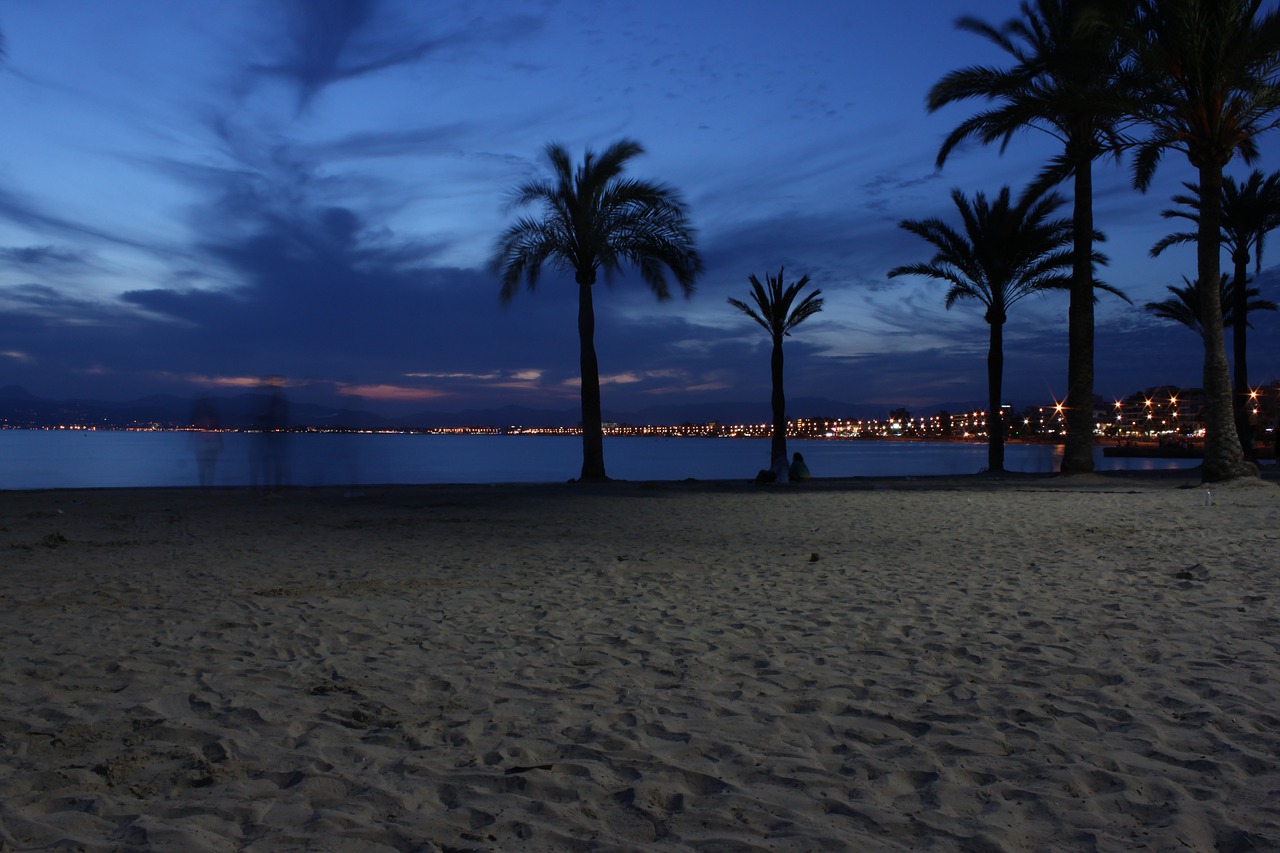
x=42, y=459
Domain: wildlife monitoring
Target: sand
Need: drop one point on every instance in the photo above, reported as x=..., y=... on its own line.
x=954, y=665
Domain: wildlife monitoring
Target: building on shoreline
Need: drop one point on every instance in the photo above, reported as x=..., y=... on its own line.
x=1162, y=414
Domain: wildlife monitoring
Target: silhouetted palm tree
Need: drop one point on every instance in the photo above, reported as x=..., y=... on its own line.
x=594, y=220
x=1184, y=305
x=777, y=311
x=1249, y=211
x=1005, y=252
x=1066, y=81
x=1209, y=71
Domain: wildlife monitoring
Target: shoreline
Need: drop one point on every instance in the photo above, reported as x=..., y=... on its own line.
x=1182, y=477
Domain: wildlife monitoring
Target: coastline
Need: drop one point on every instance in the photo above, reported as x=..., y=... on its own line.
x=1188, y=477
x=139, y=460
x=1015, y=661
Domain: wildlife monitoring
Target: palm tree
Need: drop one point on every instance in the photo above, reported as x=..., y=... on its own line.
x=777, y=311
x=594, y=220
x=1249, y=211
x=1006, y=252
x=1183, y=305
x=1209, y=70
x=1066, y=81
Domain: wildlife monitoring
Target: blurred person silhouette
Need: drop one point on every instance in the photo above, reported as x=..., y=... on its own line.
x=345, y=458
x=270, y=459
x=206, y=439
x=799, y=469
x=781, y=469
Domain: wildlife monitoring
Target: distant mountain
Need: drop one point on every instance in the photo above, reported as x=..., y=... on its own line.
x=14, y=392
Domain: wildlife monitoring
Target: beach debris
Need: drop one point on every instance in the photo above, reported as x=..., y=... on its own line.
x=1193, y=573
x=53, y=540
x=1208, y=498
x=511, y=771
x=813, y=557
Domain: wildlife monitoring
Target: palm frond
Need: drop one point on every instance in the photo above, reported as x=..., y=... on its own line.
x=1183, y=305
x=1249, y=210
x=593, y=220
x=1067, y=80
x=1209, y=79
x=775, y=307
x=1003, y=253
x=750, y=312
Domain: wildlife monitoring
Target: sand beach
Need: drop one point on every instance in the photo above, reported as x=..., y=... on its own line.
x=965, y=664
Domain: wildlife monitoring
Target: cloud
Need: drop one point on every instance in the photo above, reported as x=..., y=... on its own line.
x=222, y=381
x=30, y=215
x=327, y=42
x=398, y=393
x=529, y=380
x=475, y=377
x=391, y=143
x=55, y=307
x=41, y=256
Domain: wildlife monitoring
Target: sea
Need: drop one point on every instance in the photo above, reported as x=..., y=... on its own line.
x=66, y=459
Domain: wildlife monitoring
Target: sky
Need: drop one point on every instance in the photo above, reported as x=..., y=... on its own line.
x=195, y=196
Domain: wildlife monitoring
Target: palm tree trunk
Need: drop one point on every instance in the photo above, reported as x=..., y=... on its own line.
x=592, y=420
x=1077, y=456
x=1223, y=457
x=1239, y=344
x=779, y=445
x=995, y=418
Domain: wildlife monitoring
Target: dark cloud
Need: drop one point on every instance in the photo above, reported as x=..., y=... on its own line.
x=397, y=143
x=31, y=215
x=330, y=41
x=284, y=281
x=333, y=40
x=53, y=303
x=41, y=256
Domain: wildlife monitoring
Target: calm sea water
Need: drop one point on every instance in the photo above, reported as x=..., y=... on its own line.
x=49, y=459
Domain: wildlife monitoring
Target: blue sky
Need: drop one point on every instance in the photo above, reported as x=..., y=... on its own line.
x=196, y=195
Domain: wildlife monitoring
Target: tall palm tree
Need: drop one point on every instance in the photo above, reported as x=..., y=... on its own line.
x=1066, y=81
x=594, y=220
x=1005, y=252
x=1183, y=305
x=1210, y=71
x=778, y=312
x=1250, y=210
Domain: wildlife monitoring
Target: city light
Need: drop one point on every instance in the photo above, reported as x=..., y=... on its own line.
x=1163, y=415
